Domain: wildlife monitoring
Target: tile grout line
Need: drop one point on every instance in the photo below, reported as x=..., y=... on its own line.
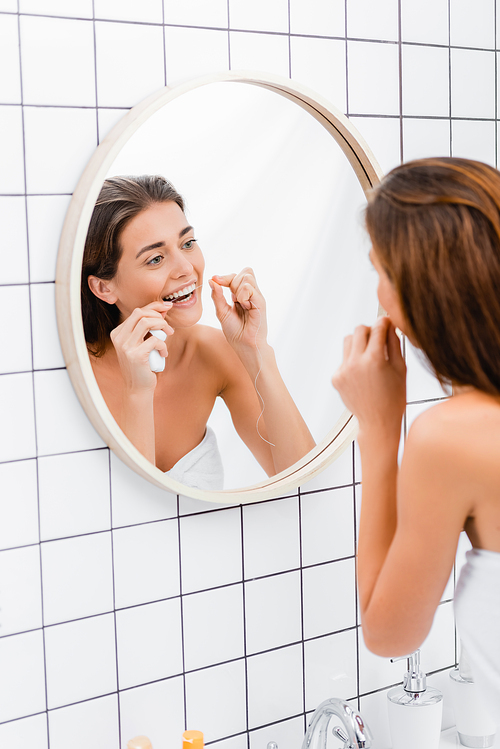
x=346, y=61
x=181, y=597
x=244, y=633
x=161, y=24
x=356, y=608
x=302, y=627
x=289, y=41
x=400, y=84
x=228, y=35
x=164, y=40
x=94, y=37
x=449, y=77
x=111, y=534
x=495, y=10
x=42, y=608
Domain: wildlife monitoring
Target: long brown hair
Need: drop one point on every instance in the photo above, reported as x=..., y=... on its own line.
x=435, y=228
x=120, y=200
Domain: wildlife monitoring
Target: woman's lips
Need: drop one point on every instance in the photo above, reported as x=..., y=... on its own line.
x=189, y=301
x=183, y=291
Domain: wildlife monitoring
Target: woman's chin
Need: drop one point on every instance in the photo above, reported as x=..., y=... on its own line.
x=184, y=316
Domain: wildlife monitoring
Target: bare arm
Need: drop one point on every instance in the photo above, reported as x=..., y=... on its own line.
x=434, y=501
x=245, y=328
x=411, y=519
x=278, y=436
x=136, y=415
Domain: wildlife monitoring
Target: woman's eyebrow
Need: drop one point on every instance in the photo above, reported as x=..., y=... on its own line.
x=157, y=245
x=154, y=246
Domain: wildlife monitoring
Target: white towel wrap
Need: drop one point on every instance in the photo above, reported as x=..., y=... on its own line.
x=202, y=467
x=477, y=610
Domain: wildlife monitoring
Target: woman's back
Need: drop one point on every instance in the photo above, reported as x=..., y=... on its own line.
x=467, y=432
x=469, y=425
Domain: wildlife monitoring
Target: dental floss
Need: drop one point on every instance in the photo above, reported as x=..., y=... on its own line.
x=256, y=376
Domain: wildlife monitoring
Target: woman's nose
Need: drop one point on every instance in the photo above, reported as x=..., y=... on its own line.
x=182, y=265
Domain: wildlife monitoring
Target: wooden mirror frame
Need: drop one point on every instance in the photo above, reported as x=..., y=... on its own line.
x=68, y=283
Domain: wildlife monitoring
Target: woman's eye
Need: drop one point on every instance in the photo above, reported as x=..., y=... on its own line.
x=189, y=244
x=155, y=260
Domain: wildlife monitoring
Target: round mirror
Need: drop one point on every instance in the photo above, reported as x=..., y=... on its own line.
x=272, y=178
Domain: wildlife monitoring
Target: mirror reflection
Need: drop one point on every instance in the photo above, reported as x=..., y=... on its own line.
x=159, y=371
x=261, y=241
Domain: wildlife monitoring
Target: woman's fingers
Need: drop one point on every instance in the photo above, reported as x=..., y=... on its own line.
x=133, y=344
x=222, y=308
x=384, y=343
x=139, y=352
x=365, y=346
x=347, y=346
x=156, y=310
x=244, y=321
x=233, y=280
x=146, y=324
x=243, y=287
x=394, y=349
x=371, y=379
x=372, y=340
x=224, y=280
x=360, y=339
x=140, y=322
x=244, y=295
x=152, y=342
x=377, y=343
x=134, y=335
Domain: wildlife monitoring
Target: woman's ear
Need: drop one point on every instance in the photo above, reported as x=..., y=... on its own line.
x=102, y=289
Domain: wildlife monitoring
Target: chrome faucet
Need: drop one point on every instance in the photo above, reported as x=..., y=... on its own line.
x=353, y=732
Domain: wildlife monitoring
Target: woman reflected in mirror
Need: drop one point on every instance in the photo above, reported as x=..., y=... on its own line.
x=143, y=271
x=435, y=231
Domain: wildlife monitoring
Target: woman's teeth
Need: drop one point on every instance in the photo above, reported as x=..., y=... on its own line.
x=177, y=295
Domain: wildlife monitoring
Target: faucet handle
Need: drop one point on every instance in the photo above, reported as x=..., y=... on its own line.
x=341, y=734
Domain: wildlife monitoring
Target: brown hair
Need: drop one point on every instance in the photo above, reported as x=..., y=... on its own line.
x=120, y=200
x=435, y=228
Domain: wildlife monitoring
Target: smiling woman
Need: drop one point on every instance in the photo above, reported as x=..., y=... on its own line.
x=142, y=269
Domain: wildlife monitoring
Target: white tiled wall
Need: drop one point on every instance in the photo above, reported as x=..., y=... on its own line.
x=125, y=610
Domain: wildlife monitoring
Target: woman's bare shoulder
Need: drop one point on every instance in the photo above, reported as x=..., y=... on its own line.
x=213, y=350
x=470, y=417
x=211, y=342
x=205, y=334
